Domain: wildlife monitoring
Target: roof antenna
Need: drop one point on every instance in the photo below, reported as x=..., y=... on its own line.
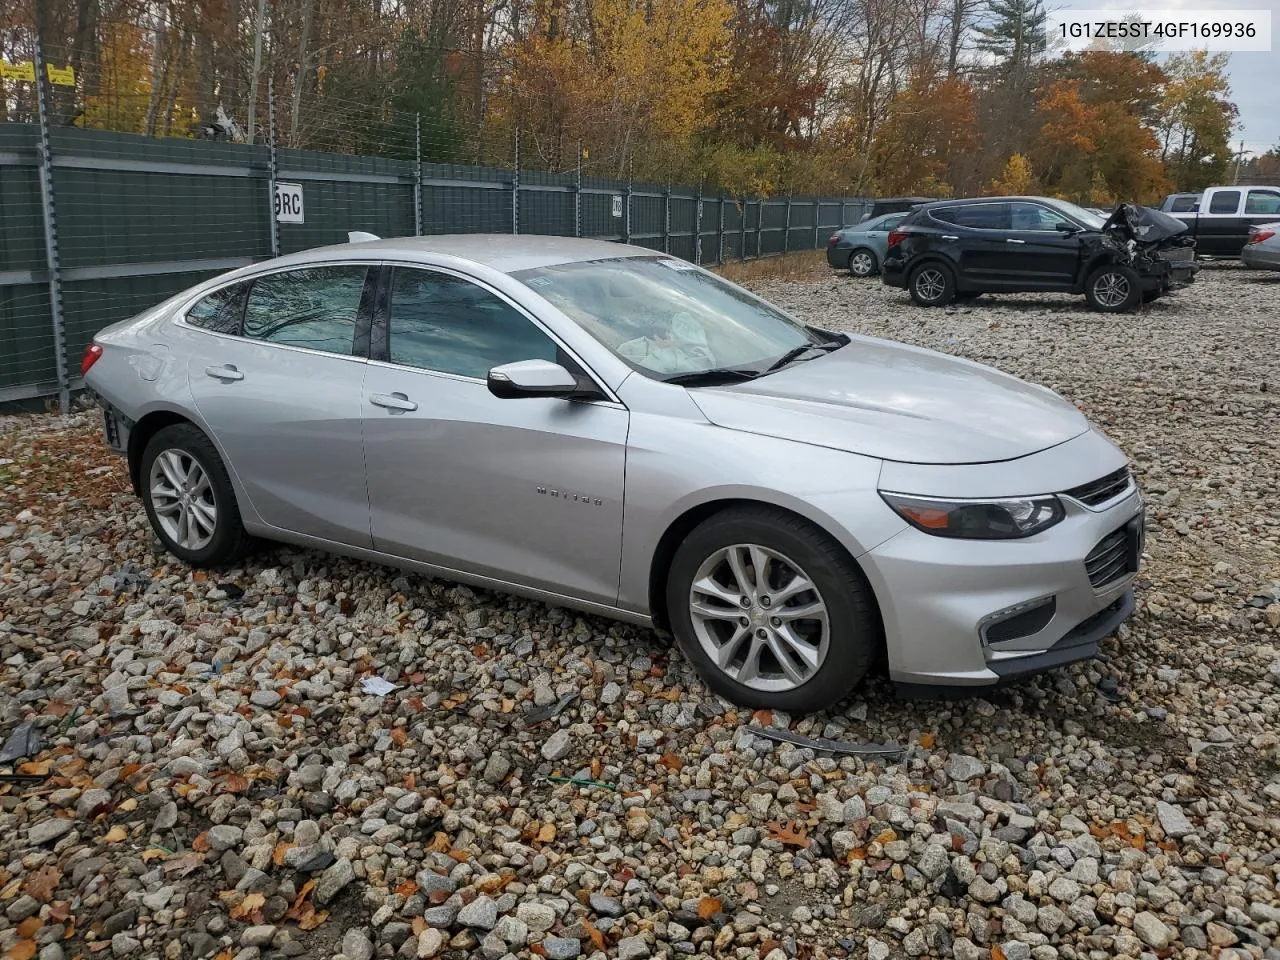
x=359, y=236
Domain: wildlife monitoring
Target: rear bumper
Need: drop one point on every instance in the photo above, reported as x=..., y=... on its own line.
x=1256, y=258
x=838, y=256
x=893, y=274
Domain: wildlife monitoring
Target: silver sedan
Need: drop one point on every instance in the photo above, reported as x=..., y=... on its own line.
x=611, y=429
x=1262, y=252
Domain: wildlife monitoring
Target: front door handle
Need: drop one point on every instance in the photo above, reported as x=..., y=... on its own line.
x=1010, y=240
x=946, y=237
x=226, y=372
x=392, y=401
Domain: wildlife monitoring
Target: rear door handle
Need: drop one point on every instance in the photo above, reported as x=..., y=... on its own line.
x=392, y=401
x=226, y=372
x=946, y=237
x=1010, y=240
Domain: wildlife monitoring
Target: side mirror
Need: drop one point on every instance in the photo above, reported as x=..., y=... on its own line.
x=1068, y=228
x=538, y=378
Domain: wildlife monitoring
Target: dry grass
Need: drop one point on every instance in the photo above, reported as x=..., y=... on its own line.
x=800, y=266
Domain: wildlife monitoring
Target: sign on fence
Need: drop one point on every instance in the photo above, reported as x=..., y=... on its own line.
x=289, y=203
x=26, y=70
x=61, y=76
x=617, y=205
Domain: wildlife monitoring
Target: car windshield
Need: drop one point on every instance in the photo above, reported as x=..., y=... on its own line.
x=668, y=318
x=1087, y=217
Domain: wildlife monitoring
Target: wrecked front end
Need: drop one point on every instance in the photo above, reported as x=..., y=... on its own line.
x=1154, y=244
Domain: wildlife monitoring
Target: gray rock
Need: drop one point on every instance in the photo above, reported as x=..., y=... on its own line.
x=481, y=913
x=877, y=949
x=264, y=698
x=512, y=930
x=123, y=945
x=933, y=861
x=90, y=800
x=610, y=694
x=561, y=948
x=166, y=817
x=557, y=746
x=120, y=921
x=224, y=836
x=632, y=948
x=497, y=768
x=1016, y=950
x=964, y=768
x=259, y=936
x=605, y=906
x=538, y=916
x=22, y=907
x=48, y=831
x=356, y=945
x=332, y=880
x=1173, y=821
x=1152, y=930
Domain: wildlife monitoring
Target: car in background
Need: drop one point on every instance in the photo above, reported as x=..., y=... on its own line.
x=893, y=205
x=1262, y=252
x=1180, y=203
x=1220, y=218
x=606, y=428
x=962, y=248
x=860, y=249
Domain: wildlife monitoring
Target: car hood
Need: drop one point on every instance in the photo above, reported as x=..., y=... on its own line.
x=1144, y=224
x=895, y=402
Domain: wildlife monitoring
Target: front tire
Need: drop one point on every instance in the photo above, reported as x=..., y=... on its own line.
x=1113, y=288
x=189, y=498
x=771, y=611
x=863, y=263
x=932, y=285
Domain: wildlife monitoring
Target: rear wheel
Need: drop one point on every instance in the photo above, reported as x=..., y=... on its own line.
x=862, y=263
x=932, y=285
x=189, y=499
x=1113, y=288
x=771, y=611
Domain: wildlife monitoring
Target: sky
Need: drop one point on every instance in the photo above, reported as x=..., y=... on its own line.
x=1254, y=76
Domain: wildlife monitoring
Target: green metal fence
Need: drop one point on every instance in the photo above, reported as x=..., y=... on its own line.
x=134, y=220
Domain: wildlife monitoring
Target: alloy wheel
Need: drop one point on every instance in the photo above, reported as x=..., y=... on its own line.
x=759, y=617
x=182, y=498
x=860, y=264
x=1111, y=289
x=930, y=283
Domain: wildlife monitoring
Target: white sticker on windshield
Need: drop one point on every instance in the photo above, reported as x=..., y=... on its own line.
x=678, y=264
x=539, y=282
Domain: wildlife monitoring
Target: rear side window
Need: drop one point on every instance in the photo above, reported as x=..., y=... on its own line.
x=1262, y=201
x=450, y=325
x=1225, y=201
x=314, y=308
x=220, y=311
x=1184, y=204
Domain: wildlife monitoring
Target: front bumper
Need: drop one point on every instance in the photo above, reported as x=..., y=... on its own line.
x=941, y=599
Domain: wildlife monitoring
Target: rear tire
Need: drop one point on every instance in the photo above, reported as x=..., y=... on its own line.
x=1113, y=288
x=863, y=263
x=799, y=642
x=932, y=284
x=189, y=498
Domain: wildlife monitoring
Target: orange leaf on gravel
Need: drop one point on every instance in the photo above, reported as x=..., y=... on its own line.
x=596, y=935
x=247, y=908
x=25, y=950
x=277, y=855
x=115, y=834
x=708, y=907
x=671, y=761
x=547, y=833
x=235, y=783
x=201, y=843
x=42, y=883
x=29, y=926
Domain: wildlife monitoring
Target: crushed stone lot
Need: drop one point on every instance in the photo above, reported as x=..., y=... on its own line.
x=210, y=779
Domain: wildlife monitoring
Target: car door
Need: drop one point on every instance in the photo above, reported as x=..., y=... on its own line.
x=980, y=238
x=523, y=490
x=1221, y=230
x=276, y=374
x=1040, y=255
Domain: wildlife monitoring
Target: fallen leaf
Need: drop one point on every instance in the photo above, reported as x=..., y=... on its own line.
x=419, y=926
x=927, y=741
x=153, y=853
x=281, y=848
x=708, y=907
x=201, y=843
x=115, y=834
x=546, y=833
x=302, y=895
x=59, y=910
x=42, y=883
x=671, y=761
x=407, y=889
x=789, y=833
x=36, y=768
x=250, y=908
x=596, y=935
x=400, y=736
x=57, y=708
x=596, y=768
x=763, y=717
x=26, y=949
x=235, y=783
x=997, y=953
x=312, y=918
x=29, y=926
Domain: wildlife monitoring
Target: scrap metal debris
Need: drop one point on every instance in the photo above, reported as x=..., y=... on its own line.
x=825, y=745
x=24, y=741
x=583, y=782
x=539, y=714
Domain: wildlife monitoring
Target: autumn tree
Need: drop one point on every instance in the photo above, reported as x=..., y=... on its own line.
x=1197, y=119
x=925, y=146
x=1016, y=179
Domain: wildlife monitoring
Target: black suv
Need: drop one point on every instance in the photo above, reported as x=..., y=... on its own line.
x=962, y=248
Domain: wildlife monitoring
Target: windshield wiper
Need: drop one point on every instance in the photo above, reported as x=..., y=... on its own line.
x=714, y=375
x=795, y=353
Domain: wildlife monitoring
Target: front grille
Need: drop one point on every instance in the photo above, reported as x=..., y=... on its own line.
x=1108, y=561
x=1103, y=489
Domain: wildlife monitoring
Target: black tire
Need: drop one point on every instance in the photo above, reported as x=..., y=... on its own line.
x=1113, y=288
x=932, y=284
x=854, y=634
x=863, y=263
x=228, y=541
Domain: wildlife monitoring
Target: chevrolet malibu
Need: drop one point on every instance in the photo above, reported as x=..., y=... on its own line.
x=606, y=428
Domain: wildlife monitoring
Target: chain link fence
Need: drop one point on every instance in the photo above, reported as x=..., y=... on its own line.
x=98, y=226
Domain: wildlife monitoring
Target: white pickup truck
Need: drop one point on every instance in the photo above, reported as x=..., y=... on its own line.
x=1220, y=217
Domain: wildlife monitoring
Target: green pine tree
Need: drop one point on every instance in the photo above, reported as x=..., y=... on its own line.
x=1014, y=32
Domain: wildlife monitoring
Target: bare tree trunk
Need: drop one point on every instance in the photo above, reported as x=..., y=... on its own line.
x=259, y=26
x=300, y=71
x=159, y=69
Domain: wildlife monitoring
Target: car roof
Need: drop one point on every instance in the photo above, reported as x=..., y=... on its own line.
x=505, y=252
x=937, y=204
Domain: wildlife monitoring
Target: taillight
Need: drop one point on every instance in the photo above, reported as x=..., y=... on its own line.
x=896, y=237
x=91, y=354
x=835, y=238
x=1261, y=235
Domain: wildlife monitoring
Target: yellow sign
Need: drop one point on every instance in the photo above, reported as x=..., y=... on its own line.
x=62, y=76
x=26, y=70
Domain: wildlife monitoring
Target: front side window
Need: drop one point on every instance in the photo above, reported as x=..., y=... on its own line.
x=1185, y=204
x=1262, y=201
x=1225, y=201
x=665, y=317
x=1033, y=216
x=977, y=216
x=316, y=308
x=450, y=325
x=219, y=311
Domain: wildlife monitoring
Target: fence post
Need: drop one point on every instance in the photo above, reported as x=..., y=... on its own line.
x=744, y=209
x=666, y=219
x=577, y=196
x=271, y=166
x=759, y=225
x=626, y=220
x=515, y=187
x=45, y=161
x=817, y=216
x=786, y=229
x=844, y=216
x=697, y=226
x=720, y=234
x=417, y=175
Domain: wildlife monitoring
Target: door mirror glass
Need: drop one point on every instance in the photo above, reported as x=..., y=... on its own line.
x=536, y=378
x=1064, y=227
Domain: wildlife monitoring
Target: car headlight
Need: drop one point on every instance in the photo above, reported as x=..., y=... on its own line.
x=1004, y=519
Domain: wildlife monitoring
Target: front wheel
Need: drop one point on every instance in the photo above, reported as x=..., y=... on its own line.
x=862, y=263
x=1113, y=288
x=189, y=499
x=932, y=285
x=771, y=611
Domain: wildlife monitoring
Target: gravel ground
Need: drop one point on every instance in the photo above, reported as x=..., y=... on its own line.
x=211, y=778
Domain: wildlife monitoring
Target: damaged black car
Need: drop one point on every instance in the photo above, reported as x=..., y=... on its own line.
x=960, y=249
